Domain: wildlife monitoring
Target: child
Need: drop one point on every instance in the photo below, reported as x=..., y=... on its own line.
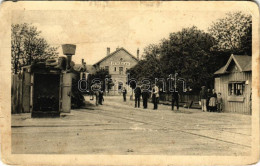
x=219, y=103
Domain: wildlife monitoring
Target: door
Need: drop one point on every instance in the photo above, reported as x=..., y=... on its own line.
x=46, y=93
x=66, y=92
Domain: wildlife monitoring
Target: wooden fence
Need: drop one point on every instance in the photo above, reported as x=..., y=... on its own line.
x=190, y=100
x=183, y=97
x=19, y=100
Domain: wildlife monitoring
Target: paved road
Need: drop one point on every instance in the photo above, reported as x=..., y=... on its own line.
x=118, y=128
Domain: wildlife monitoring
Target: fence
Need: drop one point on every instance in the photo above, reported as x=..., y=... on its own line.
x=190, y=100
x=183, y=97
x=17, y=94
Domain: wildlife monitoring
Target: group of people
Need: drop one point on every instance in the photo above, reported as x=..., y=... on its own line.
x=138, y=93
x=210, y=100
x=145, y=94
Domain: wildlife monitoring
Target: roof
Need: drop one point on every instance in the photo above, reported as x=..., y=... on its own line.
x=220, y=71
x=113, y=53
x=244, y=63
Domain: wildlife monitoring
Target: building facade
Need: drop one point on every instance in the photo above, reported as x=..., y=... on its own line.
x=117, y=63
x=234, y=82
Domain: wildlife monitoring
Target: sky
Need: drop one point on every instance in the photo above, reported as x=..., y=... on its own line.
x=96, y=28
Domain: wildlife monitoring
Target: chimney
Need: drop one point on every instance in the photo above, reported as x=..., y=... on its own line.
x=137, y=53
x=108, y=50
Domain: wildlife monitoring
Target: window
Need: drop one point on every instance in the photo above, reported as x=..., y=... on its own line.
x=121, y=69
x=236, y=88
x=115, y=69
x=120, y=86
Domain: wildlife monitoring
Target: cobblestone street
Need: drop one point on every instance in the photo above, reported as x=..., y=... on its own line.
x=118, y=128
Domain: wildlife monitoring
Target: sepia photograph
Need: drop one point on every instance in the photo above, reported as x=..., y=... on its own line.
x=133, y=79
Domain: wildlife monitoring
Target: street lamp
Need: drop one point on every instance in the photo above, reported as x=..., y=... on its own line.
x=175, y=86
x=68, y=50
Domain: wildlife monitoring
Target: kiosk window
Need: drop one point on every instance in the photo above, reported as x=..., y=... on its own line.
x=236, y=88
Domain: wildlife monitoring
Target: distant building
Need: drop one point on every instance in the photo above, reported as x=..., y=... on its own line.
x=117, y=63
x=234, y=82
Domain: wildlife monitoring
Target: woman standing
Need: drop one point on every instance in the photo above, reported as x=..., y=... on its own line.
x=213, y=102
x=209, y=94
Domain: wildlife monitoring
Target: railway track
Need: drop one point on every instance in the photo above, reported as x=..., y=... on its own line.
x=150, y=119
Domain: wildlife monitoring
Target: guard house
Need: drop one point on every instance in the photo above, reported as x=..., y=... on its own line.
x=117, y=63
x=234, y=82
x=44, y=88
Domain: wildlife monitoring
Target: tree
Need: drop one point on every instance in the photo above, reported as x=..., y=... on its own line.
x=150, y=67
x=233, y=33
x=28, y=47
x=187, y=52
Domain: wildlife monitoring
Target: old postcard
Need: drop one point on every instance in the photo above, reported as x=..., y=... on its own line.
x=129, y=83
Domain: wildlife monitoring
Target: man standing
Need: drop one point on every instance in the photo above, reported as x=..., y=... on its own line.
x=175, y=99
x=124, y=94
x=137, y=96
x=101, y=98
x=155, y=93
x=145, y=96
x=203, y=98
x=97, y=96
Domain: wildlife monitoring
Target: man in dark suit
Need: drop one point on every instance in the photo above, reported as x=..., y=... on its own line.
x=101, y=98
x=175, y=99
x=137, y=96
x=145, y=96
x=124, y=94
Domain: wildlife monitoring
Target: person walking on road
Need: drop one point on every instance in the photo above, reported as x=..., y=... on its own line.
x=155, y=96
x=137, y=96
x=175, y=99
x=203, y=98
x=124, y=94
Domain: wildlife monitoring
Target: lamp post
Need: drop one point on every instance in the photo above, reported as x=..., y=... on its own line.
x=68, y=50
x=175, y=80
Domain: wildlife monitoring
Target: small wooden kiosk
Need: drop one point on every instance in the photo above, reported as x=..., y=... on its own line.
x=234, y=82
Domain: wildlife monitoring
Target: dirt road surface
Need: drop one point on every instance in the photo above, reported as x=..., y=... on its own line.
x=118, y=128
